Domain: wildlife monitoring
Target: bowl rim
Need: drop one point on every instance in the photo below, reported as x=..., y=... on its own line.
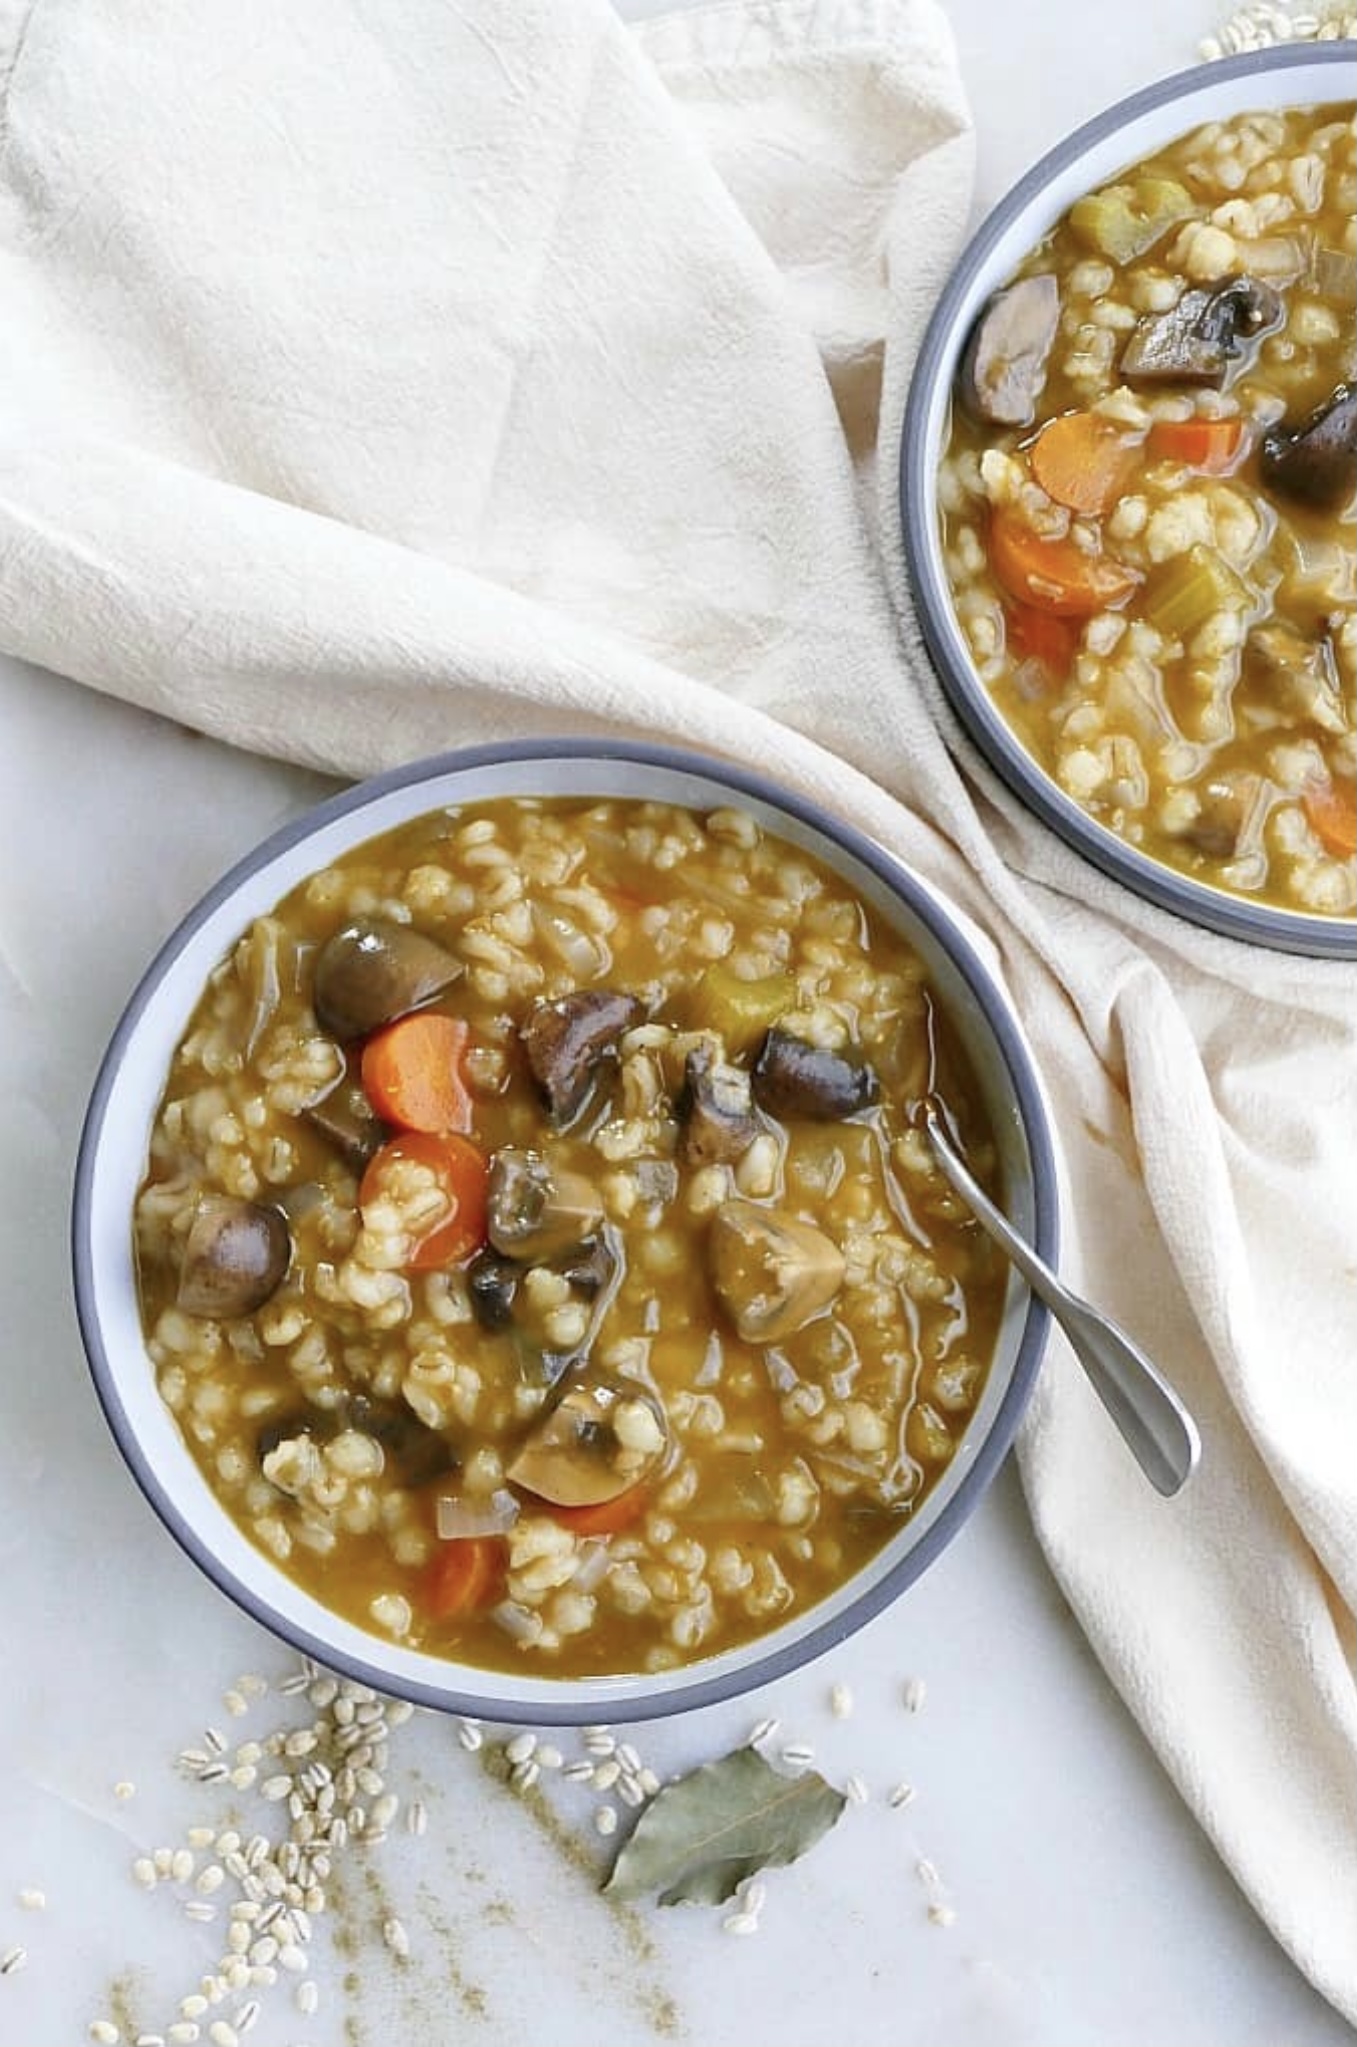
x=495, y=1694
x=1199, y=903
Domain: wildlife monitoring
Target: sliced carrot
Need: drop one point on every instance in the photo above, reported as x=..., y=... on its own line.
x=461, y=1171
x=1055, y=575
x=606, y=1517
x=1084, y=461
x=413, y=1074
x=465, y=1576
x=1209, y=445
x=1041, y=636
x=1331, y=808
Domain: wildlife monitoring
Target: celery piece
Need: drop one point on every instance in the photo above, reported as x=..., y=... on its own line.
x=741, y=1011
x=1122, y=221
x=1182, y=595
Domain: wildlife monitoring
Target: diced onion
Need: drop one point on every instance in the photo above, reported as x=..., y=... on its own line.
x=519, y=1622
x=576, y=949
x=457, y=1519
x=592, y=1565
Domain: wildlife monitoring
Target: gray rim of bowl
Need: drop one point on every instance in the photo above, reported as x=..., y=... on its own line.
x=1197, y=902
x=761, y=1668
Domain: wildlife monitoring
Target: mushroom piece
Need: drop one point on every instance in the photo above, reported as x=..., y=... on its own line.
x=601, y=1436
x=374, y=971
x=1003, y=368
x=411, y=1448
x=773, y=1273
x=1316, y=462
x=566, y=1038
x=1198, y=340
x=717, y=1107
x=588, y=1266
x=235, y=1256
x=347, y=1120
x=492, y=1281
x=534, y=1210
x=792, y=1078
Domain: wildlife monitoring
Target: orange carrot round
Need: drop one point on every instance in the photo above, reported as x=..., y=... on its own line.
x=1041, y=636
x=1209, y=445
x=464, y=1576
x=604, y=1517
x=1055, y=575
x=1084, y=461
x=461, y=1172
x=412, y=1072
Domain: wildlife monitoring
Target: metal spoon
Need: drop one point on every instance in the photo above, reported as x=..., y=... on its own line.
x=1158, y=1428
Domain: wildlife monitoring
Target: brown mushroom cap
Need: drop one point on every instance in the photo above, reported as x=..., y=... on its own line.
x=1197, y=341
x=374, y=971
x=1003, y=369
x=534, y=1210
x=792, y=1078
x=772, y=1272
x=1316, y=462
x=717, y=1109
x=235, y=1256
x=566, y=1038
x=600, y=1437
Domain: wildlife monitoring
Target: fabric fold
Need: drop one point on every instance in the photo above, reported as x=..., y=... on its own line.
x=374, y=381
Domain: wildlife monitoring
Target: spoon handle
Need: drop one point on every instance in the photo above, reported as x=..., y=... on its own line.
x=1160, y=1432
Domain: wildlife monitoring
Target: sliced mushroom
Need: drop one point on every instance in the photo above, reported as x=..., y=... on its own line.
x=534, y=1209
x=601, y=1436
x=1198, y=340
x=373, y=971
x=347, y=1120
x=235, y=1256
x=587, y=1267
x=412, y=1449
x=492, y=1281
x=792, y=1078
x=717, y=1108
x=1003, y=368
x=1316, y=462
x=1299, y=675
x=772, y=1273
x=566, y=1039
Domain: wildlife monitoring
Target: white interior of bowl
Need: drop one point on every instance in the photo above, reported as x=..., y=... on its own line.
x=113, y=1157
x=1294, y=76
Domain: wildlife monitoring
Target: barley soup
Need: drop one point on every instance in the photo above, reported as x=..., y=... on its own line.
x=1148, y=506
x=538, y=1247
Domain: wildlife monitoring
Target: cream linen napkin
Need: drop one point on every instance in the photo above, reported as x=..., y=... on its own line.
x=373, y=380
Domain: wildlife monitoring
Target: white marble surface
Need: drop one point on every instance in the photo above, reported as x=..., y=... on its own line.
x=1090, y=1911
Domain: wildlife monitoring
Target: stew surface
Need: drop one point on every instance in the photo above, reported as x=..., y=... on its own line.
x=538, y=1248
x=1148, y=506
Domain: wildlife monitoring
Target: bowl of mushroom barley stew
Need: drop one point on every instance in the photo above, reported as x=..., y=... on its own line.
x=1129, y=477
x=506, y=1243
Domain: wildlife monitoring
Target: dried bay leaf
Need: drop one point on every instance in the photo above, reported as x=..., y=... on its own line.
x=699, y=1838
